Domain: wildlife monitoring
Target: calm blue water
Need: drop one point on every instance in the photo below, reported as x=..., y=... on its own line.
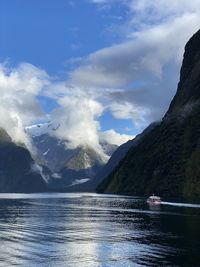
x=96, y=230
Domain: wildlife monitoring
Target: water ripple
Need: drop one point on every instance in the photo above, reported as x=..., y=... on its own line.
x=94, y=230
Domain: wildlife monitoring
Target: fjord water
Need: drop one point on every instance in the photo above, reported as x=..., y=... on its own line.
x=96, y=230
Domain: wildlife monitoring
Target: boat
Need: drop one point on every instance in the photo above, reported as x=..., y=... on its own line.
x=154, y=200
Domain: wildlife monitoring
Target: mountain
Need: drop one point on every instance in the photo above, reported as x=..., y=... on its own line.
x=71, y=168
x=166, y=161
x=116, y=157
x=81, y=167
x=4, y=137
x=108, y=149
x=41, y=128
x=18, y=171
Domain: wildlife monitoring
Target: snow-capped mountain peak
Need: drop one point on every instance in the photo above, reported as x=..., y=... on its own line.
x=41, y=128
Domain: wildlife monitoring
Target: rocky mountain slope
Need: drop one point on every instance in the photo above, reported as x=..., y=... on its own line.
x=70, y=168
x=167, y=160
x=17, y=168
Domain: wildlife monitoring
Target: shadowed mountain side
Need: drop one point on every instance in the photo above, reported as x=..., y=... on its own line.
x=16, y=172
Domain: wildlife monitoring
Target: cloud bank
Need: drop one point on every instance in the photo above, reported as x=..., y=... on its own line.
x=77, y=117
x=147, y=60
x=19, y=106
x=77, y=113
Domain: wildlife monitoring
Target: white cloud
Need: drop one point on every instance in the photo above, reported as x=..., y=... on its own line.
x=19, y=88
x=24, y=78
x=161, y=10
x=77, y=116
x=113, y=137
x=154, y=40
x=142, y=57
x=127, y=110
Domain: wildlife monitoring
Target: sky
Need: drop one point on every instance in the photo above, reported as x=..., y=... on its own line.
x=99, y=68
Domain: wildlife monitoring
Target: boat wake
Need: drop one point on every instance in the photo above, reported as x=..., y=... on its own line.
x=187, y=205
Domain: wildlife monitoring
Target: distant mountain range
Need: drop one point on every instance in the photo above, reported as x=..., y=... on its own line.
x=69, y=167
x=166, y=161
x=54, y=167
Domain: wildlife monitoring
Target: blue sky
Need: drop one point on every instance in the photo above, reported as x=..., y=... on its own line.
x=49, y=33
x=109, y=61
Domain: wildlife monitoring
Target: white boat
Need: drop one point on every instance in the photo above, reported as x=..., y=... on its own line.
x=154, y=200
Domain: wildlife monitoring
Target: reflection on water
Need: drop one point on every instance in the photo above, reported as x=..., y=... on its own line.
x=95, y=230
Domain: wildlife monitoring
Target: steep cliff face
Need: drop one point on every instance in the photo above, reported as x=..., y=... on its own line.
x=16, y=168
x=167, y=160
x=188, y=93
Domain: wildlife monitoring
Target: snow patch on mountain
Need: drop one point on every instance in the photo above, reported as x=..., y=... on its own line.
x=46, y=152
x=80, y=181
x=37, y=168
x=56, y=175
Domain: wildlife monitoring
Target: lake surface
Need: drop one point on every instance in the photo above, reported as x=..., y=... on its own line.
x=89, y=230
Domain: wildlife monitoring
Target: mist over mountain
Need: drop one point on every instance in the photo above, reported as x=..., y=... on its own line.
x=69, y=166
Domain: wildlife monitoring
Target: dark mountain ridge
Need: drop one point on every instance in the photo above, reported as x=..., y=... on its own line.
x=17, y=174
